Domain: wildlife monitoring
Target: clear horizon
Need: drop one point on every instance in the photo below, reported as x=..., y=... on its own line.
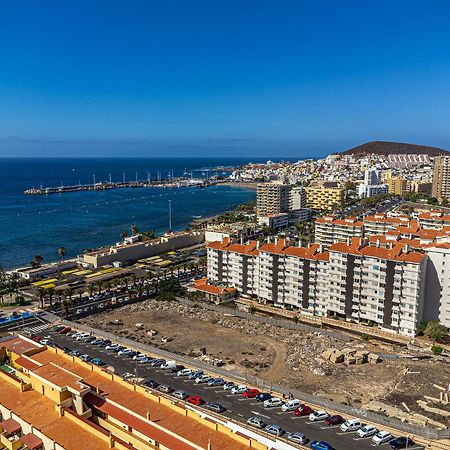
x=245, y=79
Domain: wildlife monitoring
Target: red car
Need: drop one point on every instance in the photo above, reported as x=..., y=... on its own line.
x=195, y=400
x=334, y=420
x=303, y=410
x=65, y=330
x=250, y=393
x=36, y=338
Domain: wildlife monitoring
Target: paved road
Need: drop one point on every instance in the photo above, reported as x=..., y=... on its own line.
x=238, y=408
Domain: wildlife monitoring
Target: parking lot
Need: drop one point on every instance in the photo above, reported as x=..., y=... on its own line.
x=237, y=407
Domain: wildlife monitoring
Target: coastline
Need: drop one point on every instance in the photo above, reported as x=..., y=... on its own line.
x=252, y=185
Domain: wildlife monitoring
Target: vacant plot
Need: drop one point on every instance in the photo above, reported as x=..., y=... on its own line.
x=281, y=356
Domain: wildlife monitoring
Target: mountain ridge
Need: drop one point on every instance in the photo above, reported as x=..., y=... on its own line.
x=398, y=148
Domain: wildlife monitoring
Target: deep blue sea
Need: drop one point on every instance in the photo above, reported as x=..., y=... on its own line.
x=39, y=224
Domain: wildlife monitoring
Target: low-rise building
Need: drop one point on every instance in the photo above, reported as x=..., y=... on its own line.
x=275, y=221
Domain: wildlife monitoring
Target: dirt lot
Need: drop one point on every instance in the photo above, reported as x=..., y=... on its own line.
x=286, y=357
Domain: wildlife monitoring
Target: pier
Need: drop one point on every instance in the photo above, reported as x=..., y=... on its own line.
x=106, y=185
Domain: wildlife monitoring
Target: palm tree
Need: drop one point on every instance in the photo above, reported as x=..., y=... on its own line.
x=134, y=230
x=123, y=235
x=50, y=293
x=62, y=252
x=36, y=261
x=67, y=303
x=41, y=292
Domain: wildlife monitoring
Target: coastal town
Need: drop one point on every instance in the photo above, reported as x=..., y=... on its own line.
x=335, y=273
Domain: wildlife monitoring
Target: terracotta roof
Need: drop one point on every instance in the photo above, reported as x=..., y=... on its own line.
x=19, y=345
x=215, y=290
x=26, y=363
x=38, y=410
x=58, y=376
x=10, y=426
x=347, y=222
x=276, y=247
x=135, y=423
x=31, y=441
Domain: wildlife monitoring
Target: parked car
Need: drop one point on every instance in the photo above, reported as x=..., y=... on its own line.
x=124, y=352
x=75, y=353
x=82, y=336
x=36, y=338
x=177, y=368
x=132, y=354
x=165, y=388
x=239, y=389
x=251, y=393
x=216, y=407
x=382, y=437
x=196, y=374
x=157, y=362
x=44, y=341
x=291, y=405
x=90, y=339
x=297, y=437
x=97, y=342
x=195, y=400
x=180, y=394
x=256, y=422
x=143, y=360
x=351, y=425
x=169, y=365
x=65, y=349
x=402, y=442
x=263, y=396
x=150, y=383
x=97, y=362
x=65, y=330
x=215, y=382
x=317, y=416
x=303, y=410
x=275, y=430
x=334, y=420
x=202, y=379
x=112, y=346
x=105, y=343
x=57, y=328
x=272, y=402
x=321, y=445
x=85, y=357
x=127, y=375
x=228, y=386
x=184, y=372
x=366, y=431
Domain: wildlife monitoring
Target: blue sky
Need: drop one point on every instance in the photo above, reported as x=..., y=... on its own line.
x=228, y=78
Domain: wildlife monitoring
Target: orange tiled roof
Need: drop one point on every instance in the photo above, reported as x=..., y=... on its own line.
x=58, y=376
x=19, y=345
x=215, y=290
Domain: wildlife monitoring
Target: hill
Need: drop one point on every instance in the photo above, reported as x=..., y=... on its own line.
x=399, y=148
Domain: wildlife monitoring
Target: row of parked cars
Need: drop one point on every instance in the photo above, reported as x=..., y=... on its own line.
x=267, y=400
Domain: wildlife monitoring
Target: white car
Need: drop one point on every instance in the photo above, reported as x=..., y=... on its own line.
x=44, y=341
x=382, y=437
x=124, y=352
x=291, y=405
x=111, y=346
x=138, y=356
x=317, y=416
x=83, y=336
x=202, y=379
x=184, y=372
x=351, y=425
x=239, y=389
x=366, y=431
x=273, y=402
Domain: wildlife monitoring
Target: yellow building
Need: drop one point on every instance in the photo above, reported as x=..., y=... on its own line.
x=398, y=185
x=325, y=196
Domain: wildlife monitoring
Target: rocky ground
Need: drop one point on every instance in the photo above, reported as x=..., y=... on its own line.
x=282, y=356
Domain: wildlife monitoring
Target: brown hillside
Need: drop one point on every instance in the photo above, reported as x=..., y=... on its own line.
x=387, y=148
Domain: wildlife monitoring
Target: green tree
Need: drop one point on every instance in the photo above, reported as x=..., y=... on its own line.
x=61, y=253
x=436, y=349
x=436, y=331
x=123, y=235
x=36, y=261
x=134, y=230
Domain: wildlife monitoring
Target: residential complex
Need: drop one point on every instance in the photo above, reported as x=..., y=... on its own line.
x=51, y=400
x=386, y=270
x=273, y=198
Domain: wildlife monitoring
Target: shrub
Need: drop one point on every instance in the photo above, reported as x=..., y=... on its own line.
x=365, y=337
x=434, y=330
x=436, y=349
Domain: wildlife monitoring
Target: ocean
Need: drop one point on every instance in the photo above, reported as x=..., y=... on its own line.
x=40, y=224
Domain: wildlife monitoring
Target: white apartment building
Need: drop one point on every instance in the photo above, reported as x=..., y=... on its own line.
x=274, y=221
x=297, y=198
x=329, y=230
x=438, y=282
x=272, y=198
x=381, y=224
x=352, y=280
x=435, y=220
